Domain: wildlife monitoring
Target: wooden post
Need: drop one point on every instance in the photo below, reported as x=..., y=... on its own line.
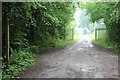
x=64, y=33
x=73, y=34
x=7, y=43
x=70, y=34
x=95, y=33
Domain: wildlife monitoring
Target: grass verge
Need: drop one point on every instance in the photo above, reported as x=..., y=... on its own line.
x=103, y=42
x=62, y=43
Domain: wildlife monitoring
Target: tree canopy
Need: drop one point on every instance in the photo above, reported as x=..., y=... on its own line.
x=31, y=27
x=109, y=12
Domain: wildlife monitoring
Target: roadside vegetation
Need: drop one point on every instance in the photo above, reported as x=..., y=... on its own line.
x=29, y=28
x=108, y=12
x=103, y=42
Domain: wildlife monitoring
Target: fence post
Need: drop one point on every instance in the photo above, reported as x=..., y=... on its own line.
x=73, y=34
x=96, y=33
x=7, y=43
x=64, y=33
x=70, y=34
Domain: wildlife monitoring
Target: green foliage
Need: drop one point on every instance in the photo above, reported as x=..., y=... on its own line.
x=41, y=22
x=109, y=12
x=71, y=24
x=104, y=42
x=1, y=58
x=38, y=31
x=18, y=62
x=35, y=27
x=62, y=43
x=32, y=49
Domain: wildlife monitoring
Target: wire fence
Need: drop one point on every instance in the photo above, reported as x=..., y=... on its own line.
x=99, y=32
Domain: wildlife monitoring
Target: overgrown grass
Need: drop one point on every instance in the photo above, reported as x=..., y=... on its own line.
x=61, y=43
x=102, y=41
x=19, y=61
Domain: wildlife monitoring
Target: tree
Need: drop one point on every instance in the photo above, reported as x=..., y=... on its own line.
x=108, y=11
x=35, y=23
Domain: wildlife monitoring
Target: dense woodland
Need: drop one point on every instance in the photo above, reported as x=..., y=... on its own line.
x=37, y=26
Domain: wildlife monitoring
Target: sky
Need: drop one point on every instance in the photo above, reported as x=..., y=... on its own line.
x=77, y=15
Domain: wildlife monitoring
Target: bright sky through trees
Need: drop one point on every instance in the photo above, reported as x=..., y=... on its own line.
x=77, y=15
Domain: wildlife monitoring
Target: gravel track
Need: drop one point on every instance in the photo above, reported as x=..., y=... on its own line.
x=81, y=59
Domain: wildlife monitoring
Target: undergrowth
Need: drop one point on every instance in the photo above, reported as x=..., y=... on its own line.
x=61, y=43
x=103, y=41
x=19, y=61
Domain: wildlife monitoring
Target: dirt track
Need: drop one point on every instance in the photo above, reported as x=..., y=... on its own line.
x=78, y=60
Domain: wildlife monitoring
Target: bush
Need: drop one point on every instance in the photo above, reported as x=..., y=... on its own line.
x=104, y=41
x=18, y=62
x=32, y=49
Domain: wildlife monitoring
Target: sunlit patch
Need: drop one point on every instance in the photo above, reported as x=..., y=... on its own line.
x=79, y=49
x=84, y=70
x=91, y=45
x=86, y=46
